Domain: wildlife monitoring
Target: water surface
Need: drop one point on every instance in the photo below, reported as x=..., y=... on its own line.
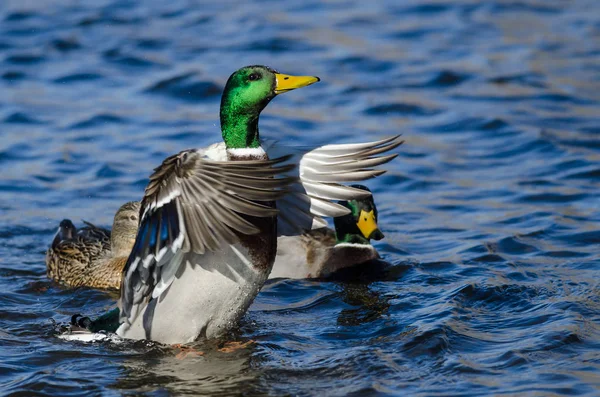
x=491, y=210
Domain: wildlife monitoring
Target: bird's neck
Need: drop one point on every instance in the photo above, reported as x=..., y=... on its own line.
x=348, y=237
x=121, y=244
x=240, y=132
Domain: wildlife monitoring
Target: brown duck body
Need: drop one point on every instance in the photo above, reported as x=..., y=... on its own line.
x=93, y=256
x=71, y=260
x=316, y=254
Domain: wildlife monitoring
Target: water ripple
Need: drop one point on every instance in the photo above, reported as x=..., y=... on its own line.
x=185, y=87
x=490, y=210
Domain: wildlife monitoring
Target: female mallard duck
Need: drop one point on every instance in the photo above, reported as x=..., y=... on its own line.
x=209, y=225
x=319, y=253
x=93, y=256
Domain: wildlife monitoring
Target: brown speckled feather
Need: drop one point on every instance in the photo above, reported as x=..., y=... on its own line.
x=69, y=261
x=106, y=273
x=93, y=257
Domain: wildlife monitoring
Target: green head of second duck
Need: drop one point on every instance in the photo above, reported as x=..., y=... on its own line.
x=359, y=226
x=247, y=92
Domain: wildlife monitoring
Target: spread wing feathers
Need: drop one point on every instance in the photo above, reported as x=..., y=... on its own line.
x=194, y=204
x=319, y=176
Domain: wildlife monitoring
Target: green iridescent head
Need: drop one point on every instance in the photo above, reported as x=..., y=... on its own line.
x=247, y=92
x=360, y=226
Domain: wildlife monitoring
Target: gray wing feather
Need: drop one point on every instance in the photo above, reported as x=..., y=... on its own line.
x=320, y=175
x=193, y=204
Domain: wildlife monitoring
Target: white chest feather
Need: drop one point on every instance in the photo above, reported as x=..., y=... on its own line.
x=291, y=258
x=208, y=299
x=247, y=153
x=219, y=152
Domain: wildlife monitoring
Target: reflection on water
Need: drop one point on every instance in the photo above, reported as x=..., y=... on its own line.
x=490, y=211
x=204, y=370
x=368, y=305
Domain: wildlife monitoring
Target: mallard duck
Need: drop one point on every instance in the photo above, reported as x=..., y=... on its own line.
x=319, y=253
x=93, y=256
x=210, y=217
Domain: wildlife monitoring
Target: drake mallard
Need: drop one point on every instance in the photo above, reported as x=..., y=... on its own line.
x=93, y=256
x=319, y=253
x=210, y=217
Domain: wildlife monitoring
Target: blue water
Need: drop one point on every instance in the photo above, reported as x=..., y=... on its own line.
x=491, y=211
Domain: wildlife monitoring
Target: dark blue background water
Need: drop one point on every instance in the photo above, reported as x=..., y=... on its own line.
x=491, y=210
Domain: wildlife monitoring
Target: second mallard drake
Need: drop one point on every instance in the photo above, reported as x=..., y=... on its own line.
x=93, y=256
x=319, y=253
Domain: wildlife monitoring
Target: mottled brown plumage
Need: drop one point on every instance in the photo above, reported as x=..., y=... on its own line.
x=93, y=256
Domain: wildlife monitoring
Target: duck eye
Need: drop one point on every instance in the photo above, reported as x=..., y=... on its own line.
x=133, y=218
x=254, y=76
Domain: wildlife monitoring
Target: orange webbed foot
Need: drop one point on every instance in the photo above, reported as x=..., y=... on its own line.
x=186, y=351
x=231, y=347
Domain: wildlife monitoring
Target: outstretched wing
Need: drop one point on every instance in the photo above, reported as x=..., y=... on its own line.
x=194, y=204
x=319, y=176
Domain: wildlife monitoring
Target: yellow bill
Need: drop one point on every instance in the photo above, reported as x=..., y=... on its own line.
x=368, y=225
x=285, y=82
